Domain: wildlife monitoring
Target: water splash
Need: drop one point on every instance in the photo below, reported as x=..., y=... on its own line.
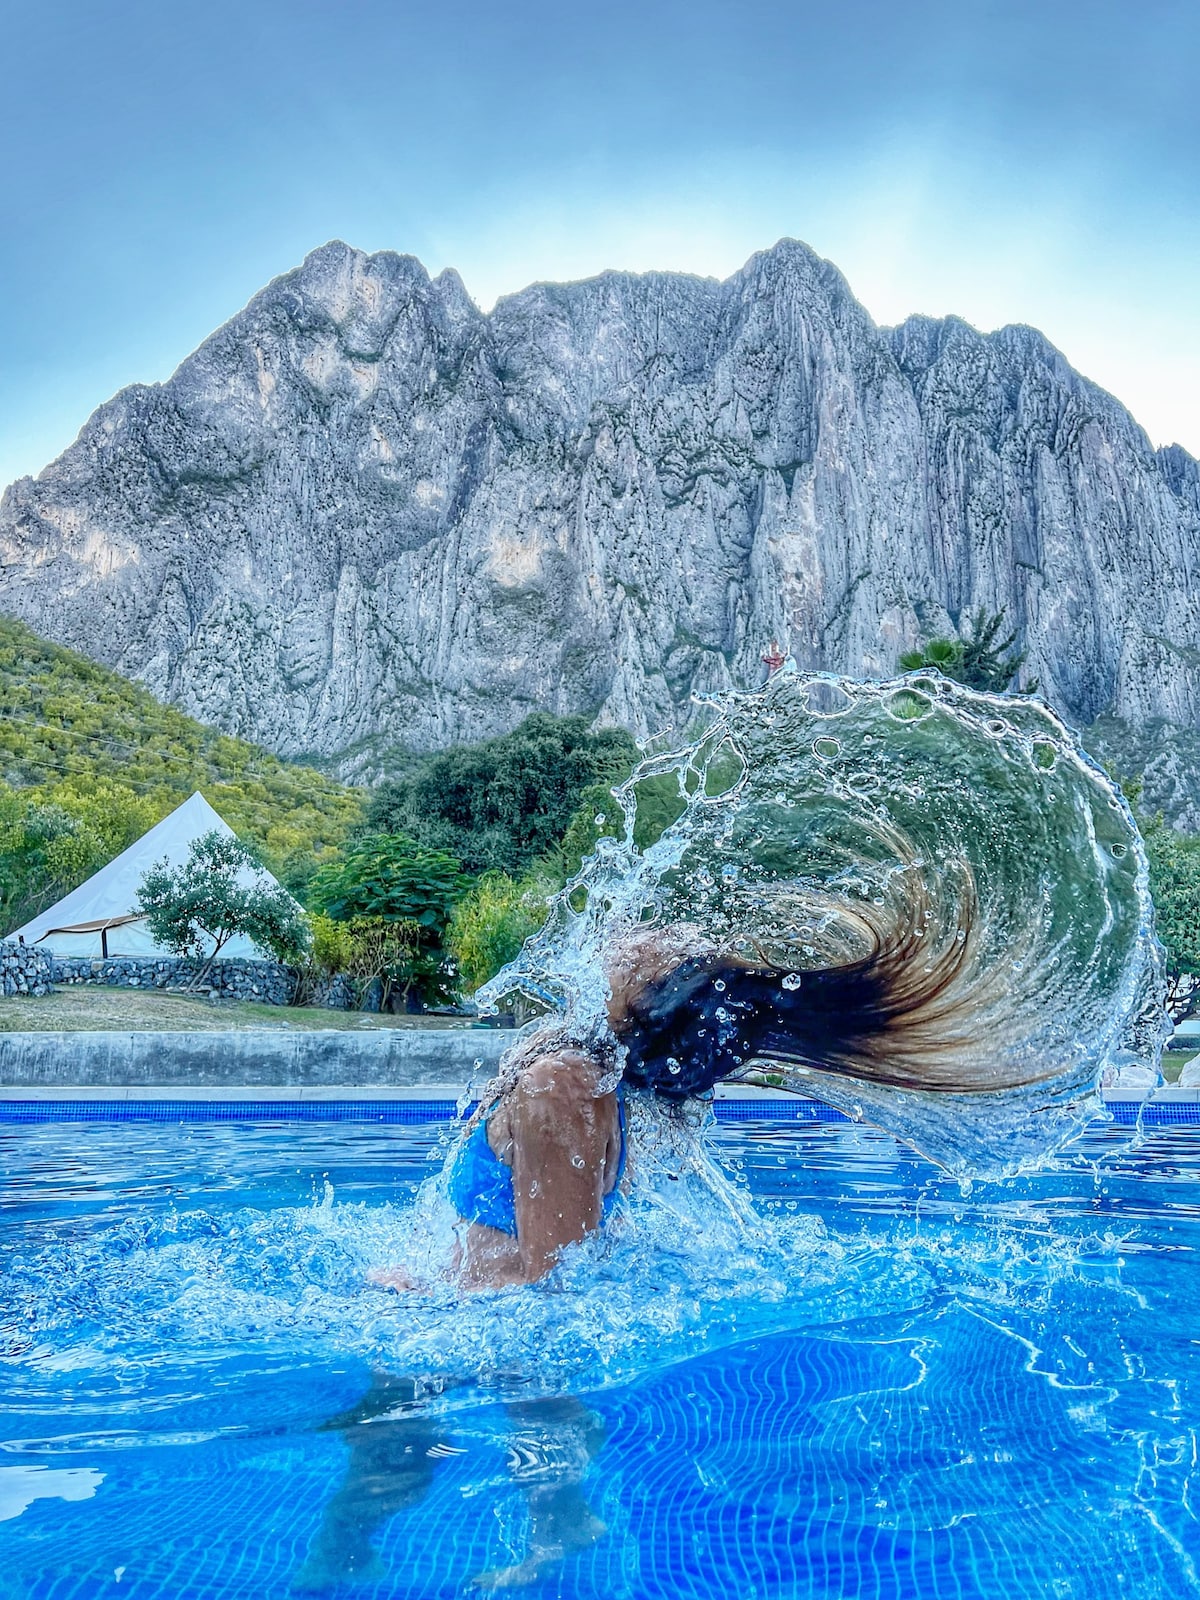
x=816, y=802
x=148, y=1321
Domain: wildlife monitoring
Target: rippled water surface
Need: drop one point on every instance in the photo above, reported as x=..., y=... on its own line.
x=839, y=1375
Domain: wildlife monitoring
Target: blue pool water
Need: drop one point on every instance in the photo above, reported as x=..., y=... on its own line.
x=840, y=1376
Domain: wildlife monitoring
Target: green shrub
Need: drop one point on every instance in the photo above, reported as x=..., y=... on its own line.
x=387, y=878
x=491, y=923
x=332, y=948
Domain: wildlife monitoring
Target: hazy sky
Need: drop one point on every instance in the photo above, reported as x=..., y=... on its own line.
x=1014, y=161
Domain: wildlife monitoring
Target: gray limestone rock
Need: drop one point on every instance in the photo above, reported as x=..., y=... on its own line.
x=365, y=511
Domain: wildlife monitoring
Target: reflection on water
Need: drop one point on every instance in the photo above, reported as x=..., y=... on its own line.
x=394, y=1441
x=21, y=1486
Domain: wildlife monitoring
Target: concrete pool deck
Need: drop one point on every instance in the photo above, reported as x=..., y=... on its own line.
x=258, y=1058
x=309, y=1074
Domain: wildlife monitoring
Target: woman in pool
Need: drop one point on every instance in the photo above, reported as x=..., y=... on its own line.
x=540, y=1165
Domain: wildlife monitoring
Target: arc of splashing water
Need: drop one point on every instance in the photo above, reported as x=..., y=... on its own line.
x=794, y=792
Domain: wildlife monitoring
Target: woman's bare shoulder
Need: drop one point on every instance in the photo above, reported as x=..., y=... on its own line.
x=565, y=1065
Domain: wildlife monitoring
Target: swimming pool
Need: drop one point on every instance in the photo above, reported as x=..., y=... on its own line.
x=841, y=1376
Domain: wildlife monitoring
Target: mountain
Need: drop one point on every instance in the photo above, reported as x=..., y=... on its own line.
x=364, y=511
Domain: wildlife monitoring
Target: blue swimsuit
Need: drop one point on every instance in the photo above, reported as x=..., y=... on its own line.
x=480, y=1186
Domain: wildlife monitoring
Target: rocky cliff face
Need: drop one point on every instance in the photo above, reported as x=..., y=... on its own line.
x=365, y=510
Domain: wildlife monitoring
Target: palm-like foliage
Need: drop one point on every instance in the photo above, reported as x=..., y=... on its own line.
x=984, y=658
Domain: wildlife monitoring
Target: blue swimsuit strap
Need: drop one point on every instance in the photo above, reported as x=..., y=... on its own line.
x=480, y=1186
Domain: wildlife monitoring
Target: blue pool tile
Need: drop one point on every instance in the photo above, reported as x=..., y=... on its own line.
x=1165, y=1113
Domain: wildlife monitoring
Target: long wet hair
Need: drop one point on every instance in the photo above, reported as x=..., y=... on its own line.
x=914, y=1009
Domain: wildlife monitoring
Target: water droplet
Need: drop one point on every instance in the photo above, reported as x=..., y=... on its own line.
x=792, y=980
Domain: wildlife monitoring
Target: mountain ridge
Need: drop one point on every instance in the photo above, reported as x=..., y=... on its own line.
x=365, y=509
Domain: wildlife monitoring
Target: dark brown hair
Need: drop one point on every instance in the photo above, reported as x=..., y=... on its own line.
x=916, y=1009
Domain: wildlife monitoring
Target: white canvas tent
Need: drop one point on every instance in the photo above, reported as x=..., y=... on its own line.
x=98, y=918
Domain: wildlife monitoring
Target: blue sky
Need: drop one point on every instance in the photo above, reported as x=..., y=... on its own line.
x=1008, y=161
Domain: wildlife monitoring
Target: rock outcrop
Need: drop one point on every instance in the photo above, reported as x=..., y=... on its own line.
x=364, y=510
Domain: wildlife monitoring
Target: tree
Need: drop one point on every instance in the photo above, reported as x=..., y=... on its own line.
x=658, y=802
x=387, y=878
x=52, y=839
x=389, y=875
x=506, y=802
x=220, y=890
x=1175, y=888
x=43, y=853
x=491, y=923
x=597, y=816
x=980, y=660
x=111, y=814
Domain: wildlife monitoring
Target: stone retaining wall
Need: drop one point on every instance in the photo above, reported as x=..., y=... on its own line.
x=24, y=970
x=27, y=970
x=268, y=981
x=335, y=992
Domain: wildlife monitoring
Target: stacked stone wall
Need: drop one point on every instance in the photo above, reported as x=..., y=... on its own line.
x=335, y=992
x=267, y=981
x=23, y=969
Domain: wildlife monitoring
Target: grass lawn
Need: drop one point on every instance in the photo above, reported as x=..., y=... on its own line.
x=1173, y=1060
x=83, y=1008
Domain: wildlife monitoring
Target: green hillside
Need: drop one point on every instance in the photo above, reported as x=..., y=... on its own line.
x=89, y=761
